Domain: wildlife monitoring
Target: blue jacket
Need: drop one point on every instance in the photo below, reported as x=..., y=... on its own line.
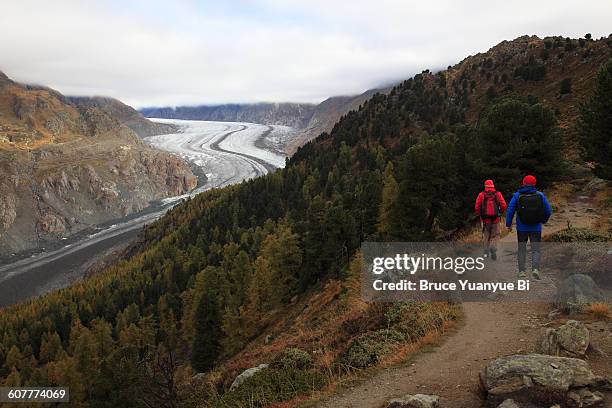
x=512, y=209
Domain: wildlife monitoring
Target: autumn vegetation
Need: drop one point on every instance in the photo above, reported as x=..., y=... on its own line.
x=205, y=282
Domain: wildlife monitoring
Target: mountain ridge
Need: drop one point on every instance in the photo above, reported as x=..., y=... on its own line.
x=124, y=113
x=68, y=165
x=308, y=120
x=265, y=113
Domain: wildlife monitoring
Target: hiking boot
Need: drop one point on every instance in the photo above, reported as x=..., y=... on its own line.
x=536, y=274
x=522, y=275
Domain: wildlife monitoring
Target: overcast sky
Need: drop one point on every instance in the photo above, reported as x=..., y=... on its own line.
x=153, y=53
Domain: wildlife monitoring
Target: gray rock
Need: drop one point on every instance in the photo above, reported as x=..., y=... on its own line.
x=548, y=343
x=574, y=337
x=510, y=374
x=596, y=184
x=415, y=401
x=509, y=403
x=577, y=291
x=248, y=373
x=585, y=398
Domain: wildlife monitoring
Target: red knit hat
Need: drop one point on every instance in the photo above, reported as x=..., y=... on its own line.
x=529, y=180
x=489, y=183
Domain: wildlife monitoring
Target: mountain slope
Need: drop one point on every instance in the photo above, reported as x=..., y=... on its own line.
x=219, y=276
x=287, y=114
x=124, y=114
x=67, y=167
x=326, y=114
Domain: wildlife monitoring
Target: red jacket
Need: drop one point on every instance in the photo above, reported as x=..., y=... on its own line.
x=500, y=201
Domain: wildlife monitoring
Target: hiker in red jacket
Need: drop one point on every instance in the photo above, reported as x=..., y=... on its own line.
x=490, y=205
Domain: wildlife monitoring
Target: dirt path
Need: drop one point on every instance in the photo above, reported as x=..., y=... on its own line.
x=490, y=329
x=451, y=370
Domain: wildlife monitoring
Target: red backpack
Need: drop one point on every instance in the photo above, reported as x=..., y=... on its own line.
x=489, y=209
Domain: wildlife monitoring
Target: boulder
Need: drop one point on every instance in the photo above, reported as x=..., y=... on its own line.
x=509, y=403
x=548, y=343
x=518, y=375
x=573, y=338
x=577, y=291
x=415, y=401
x=248, y=373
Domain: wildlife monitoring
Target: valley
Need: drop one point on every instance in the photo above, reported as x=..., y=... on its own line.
x=307, y=121
x=222, y=153
x=224, y=283
x=227, y=152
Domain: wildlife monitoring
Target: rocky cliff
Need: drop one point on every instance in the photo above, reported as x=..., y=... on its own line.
x=123, y=113
x=66, y=166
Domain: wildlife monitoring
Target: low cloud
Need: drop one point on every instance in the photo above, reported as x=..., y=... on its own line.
x=150, y=53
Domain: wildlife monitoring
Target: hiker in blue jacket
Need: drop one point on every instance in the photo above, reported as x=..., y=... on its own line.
x=532, y=210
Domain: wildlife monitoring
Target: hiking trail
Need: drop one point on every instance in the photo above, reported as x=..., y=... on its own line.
x=488, y=330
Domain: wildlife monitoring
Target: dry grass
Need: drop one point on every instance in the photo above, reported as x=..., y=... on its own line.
x=405, y=352
x=600, y=311
x=559, y=195
x=603, y=201
x=471, y=234
x=402, y=355
x=325, y=323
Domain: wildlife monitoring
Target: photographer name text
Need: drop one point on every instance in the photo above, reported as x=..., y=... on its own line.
x=423, y=285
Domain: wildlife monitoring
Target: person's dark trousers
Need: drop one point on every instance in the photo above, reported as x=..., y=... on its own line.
x=535, y=238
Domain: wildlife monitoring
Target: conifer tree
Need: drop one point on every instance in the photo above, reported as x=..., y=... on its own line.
x=285, y=259
x=14, y=358
x=387, y=218
x=518, y=137
x=13, y=379
x=50, y=348
x=262, y=293
x=207, y=326
x=595, y=123
x=234, y=321
x=430, y=185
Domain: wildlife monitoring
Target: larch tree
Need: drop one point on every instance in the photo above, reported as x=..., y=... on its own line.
x=387, y=217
